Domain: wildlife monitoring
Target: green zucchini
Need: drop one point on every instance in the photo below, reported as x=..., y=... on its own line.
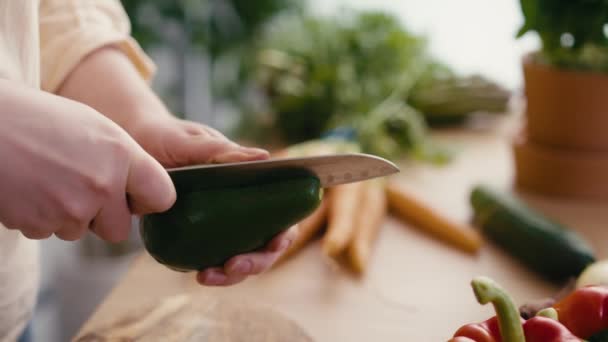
x=545, y=246
x=206, y=226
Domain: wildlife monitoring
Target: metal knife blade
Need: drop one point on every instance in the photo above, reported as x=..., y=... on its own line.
x=330, y=169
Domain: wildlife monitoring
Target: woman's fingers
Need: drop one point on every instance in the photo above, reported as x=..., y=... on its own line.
x=113, y=223
x=71, y=231
x=217, y=277
x=282, y=241
x=239, y=267
x=149, y=186
x=258, y=262
x=204, y=149
x=211, y=277
x=241, y=154
x=250, y=264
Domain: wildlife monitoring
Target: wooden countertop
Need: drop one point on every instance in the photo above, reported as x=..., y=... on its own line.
x=417, y=288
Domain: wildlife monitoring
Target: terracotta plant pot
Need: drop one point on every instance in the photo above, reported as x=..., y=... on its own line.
x=566, y=108
x=560, y=172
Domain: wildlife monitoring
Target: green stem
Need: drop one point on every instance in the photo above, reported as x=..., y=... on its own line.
x=487, y=291
x=549, y=313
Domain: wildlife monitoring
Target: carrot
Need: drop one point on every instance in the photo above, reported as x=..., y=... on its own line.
x=370, y=217
x=409, y=208
x=343, y=201
x=308, y=228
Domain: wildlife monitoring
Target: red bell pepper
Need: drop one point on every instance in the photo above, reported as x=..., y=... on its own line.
x=507, y=325
x=584, y=311
x=486, y=331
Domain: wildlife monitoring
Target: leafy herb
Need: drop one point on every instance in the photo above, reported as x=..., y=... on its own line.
x=573, y=32
x=444, y=97
x=364, y=71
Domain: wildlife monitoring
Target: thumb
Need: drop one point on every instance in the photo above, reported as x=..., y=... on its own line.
x=149, y=186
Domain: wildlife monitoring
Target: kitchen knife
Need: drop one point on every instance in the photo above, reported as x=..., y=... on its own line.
x=330, y=169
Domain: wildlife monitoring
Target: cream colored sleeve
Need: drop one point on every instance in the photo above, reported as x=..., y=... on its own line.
x=71, y=29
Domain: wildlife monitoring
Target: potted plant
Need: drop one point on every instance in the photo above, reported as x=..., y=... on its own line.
x=563, y=148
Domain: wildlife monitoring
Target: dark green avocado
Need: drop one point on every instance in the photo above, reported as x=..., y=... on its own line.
x=207, y=226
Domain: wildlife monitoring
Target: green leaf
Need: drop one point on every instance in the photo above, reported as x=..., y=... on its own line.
x=581, y=20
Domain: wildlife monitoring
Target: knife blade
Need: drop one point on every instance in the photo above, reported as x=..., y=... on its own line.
x=331, y=170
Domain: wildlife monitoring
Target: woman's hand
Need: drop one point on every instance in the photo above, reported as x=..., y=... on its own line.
x=176, y=143
x=239, y=267
x=66, y=169
x=107, y=81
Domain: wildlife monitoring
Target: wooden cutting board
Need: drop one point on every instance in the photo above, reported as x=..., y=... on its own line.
x=201, y=318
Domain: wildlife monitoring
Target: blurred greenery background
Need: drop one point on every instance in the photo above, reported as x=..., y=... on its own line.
x=220, y=31
x=277, y=72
